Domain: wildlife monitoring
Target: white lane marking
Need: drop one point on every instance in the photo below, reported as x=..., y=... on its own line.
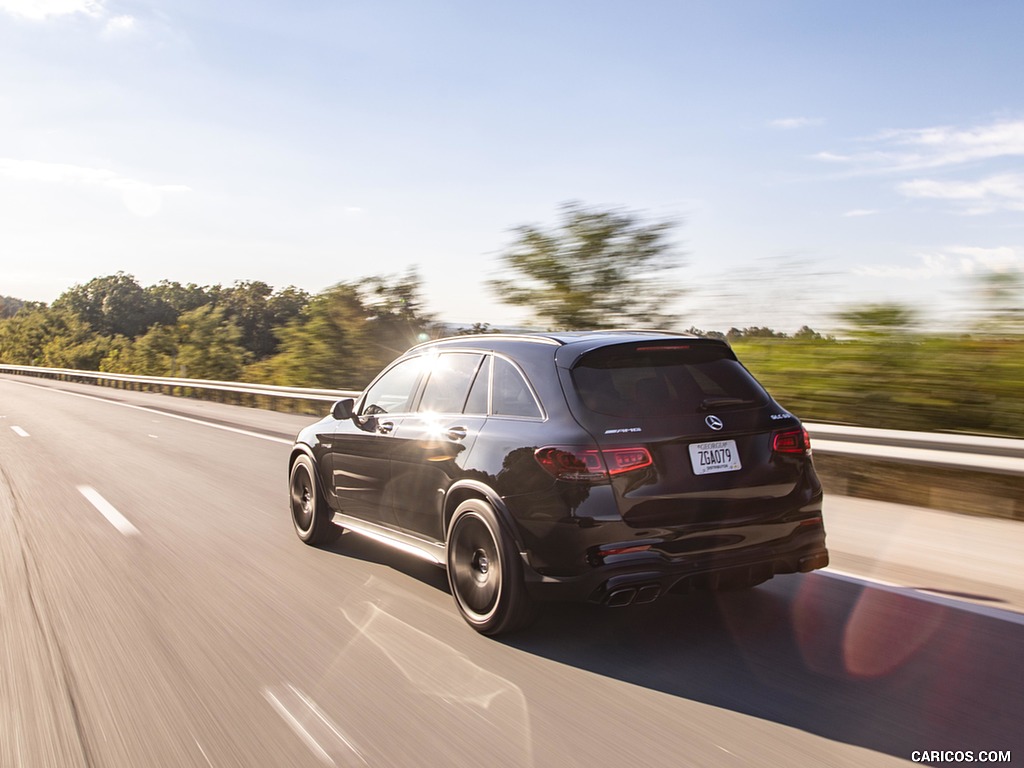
x=19, y=431
x=1002, y=614
x=107, y=509
x=297, y=727
x=154, y=437
x=236, y=430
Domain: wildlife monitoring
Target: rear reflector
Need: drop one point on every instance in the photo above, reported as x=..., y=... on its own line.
x=581, y=463
x=792, y=441
x=624, y=550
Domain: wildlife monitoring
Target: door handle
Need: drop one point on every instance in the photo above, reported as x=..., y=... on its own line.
x=457, y=433
x=385, y=427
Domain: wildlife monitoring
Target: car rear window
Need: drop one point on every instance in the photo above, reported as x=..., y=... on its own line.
x=638, y=381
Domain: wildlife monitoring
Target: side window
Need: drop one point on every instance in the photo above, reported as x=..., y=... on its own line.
x=392, y=392
x=451, y=375
x=477, y=402
x=511, y=395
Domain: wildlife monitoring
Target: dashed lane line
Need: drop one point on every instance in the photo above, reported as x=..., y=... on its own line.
x=107, y=509
x=19, y=431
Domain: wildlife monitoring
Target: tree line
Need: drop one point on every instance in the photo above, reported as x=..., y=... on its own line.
x=594, y=269
x=247, y=331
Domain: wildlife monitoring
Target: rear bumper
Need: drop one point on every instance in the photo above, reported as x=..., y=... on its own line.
x=646, y=576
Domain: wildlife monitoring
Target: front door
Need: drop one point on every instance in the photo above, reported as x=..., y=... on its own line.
x=361, y=448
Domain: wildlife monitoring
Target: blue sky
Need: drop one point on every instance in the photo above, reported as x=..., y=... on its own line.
x=817, y=154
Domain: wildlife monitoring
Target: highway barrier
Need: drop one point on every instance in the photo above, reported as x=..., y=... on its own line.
x=1003, y=456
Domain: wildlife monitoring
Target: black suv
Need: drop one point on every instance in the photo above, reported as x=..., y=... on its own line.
x=607, y=466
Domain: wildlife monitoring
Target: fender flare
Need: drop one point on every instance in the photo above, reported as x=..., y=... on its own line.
x=492, y=497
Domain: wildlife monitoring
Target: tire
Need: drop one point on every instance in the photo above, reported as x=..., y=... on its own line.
x=485, y=572
x=310, y=513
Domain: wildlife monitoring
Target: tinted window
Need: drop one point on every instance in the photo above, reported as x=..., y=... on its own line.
x=450, y=378
x=392, y=391
x=511, y=395
x=631, y=381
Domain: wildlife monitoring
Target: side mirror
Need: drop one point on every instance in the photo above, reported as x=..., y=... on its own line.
x=343, y=409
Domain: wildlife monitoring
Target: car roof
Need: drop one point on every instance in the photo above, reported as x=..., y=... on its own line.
x=560, y=338
x=566, y=347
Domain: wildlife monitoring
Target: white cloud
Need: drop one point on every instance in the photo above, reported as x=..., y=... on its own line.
x=858, y=212
x=974, y=259
x=119, y=26
x=937, y=147
x=791, y=123
x=44, y=9
x=1000, y=192
x=954, y=261
x=140, y=197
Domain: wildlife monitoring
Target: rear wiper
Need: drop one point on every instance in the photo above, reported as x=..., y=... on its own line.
x=723, y=402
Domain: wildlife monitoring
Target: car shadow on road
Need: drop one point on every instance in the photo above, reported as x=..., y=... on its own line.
x=357, y=547
x=856, y=664
x=871, y=667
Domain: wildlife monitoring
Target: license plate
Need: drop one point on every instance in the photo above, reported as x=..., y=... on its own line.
x=718, y=456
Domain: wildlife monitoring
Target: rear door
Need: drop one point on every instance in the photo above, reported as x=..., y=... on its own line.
x=431, y=443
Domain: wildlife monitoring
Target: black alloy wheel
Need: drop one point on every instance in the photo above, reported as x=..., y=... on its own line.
x=485, y=573
x=310, y=514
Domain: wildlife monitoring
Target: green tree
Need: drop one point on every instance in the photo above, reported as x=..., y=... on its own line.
x=155, y=353
x=754, y=332
x=53, y=338
x=73, y=344
x=395, y=315
x=807, y=334
x=112, y=305
x=596, y=269
x=346, y=334
x=173, y=298
x=257, y=310
x=209, y=345
x=325, y=346
x=476, y=328
x=23, y=336
x=9, y=306
x=878, y=320
x=203, y=344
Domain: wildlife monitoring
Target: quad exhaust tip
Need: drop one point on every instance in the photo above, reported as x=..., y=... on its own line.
x=629, y=595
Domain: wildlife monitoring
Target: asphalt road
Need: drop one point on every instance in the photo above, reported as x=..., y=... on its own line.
x=157, y=610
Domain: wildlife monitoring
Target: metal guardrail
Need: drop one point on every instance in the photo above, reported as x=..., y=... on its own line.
x=168, y=385
x=951, y=451
x=976, y=453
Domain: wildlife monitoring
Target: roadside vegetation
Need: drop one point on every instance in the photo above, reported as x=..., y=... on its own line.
x=880, y=370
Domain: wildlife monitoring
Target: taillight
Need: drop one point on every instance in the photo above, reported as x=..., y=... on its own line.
x=579, y=463
x=792, y=441
x=626, y=459
x=567, y=463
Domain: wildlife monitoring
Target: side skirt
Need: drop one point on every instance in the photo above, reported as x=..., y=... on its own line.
x=434, y=551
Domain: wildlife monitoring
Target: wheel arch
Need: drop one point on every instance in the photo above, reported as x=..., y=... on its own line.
x=473, y=489
x=297, y=450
